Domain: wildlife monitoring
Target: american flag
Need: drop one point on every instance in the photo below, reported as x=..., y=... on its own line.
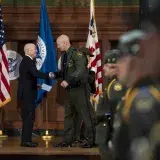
x=4, y=75
x=93, y=45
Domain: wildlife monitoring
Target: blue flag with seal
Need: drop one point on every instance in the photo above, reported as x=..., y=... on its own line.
x=46, y=51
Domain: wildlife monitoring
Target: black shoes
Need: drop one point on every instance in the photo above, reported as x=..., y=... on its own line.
x=83, y=143
x=62, y=144
x=87, y=145
x=79, y=142
x=29, y=144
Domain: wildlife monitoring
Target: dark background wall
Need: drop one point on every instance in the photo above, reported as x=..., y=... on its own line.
x=21, y=19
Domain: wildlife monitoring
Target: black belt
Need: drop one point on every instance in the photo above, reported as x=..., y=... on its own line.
x=103, y=118
x=74, y=85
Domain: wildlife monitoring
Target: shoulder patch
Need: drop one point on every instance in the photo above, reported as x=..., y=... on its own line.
x=144, y=104
x=118, y=87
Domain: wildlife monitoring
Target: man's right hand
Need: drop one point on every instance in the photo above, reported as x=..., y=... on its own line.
x=52, y=75
x=39, y=86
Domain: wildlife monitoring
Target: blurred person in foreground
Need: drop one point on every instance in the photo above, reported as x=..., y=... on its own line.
x=129, y=46
x=141, y=110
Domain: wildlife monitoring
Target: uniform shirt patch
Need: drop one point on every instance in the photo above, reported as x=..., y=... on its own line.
x=118, y=87
x=70, y=64
x=79, y=53
x=144, y=105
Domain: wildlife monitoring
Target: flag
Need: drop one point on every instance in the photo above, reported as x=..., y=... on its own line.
x=5, y=95
x=46, y=55
x=93, y=45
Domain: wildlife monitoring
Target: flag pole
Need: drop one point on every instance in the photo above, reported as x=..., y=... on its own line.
x=45, y=40
x=93, y=3
x=46, y=137
x=2, y=136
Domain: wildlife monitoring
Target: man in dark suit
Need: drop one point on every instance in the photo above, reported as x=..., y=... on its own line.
x=27, y=92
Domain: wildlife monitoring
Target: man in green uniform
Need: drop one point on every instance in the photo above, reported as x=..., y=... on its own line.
x=113, y=93
x=74, y=75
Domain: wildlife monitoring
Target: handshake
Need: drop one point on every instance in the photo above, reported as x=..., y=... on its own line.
x=55, y=75
x=52, y=75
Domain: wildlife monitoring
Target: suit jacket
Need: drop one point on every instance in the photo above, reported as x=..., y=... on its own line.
x=27, y=85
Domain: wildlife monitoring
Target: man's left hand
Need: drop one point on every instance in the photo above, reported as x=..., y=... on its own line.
x=64, y=84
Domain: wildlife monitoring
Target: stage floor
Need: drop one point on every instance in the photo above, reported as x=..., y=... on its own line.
x=11, y=146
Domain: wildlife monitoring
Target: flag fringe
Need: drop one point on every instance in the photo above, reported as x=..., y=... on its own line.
x=5, y=102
